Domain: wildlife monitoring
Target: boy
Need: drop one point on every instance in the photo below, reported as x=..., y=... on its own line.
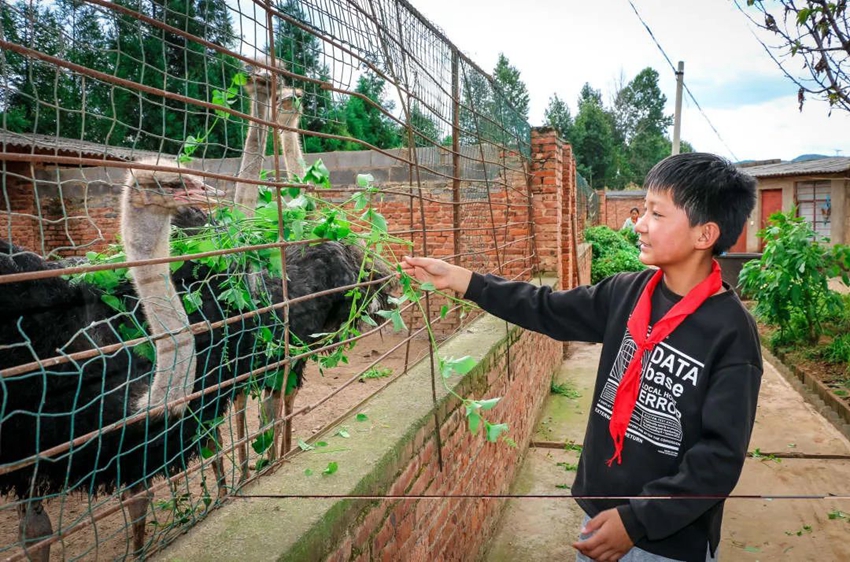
x=678, y=379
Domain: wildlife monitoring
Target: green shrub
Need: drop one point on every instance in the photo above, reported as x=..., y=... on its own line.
x=612, y=252
x=789, y=282
x=839, y=350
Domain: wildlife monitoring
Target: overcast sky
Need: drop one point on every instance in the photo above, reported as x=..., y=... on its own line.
x=560, y=45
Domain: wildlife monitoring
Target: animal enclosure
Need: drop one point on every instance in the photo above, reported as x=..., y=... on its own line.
x=203, y=205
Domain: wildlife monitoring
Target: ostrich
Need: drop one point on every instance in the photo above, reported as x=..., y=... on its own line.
x=64, y=402
x=289, y=115
x=259, y=92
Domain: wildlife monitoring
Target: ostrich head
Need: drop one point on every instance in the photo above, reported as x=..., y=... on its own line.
x=259, y=82
x=289, y=99
x=166, y=191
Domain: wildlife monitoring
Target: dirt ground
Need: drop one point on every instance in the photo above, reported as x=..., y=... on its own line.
x=109, y=538
x=800, y=511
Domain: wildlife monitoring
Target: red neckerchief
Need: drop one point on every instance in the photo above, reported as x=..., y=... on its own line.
x=627, y=391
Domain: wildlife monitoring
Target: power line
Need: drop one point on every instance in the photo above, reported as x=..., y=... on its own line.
x=673, y=68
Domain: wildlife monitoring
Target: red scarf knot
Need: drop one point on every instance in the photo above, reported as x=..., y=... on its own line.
x=638, y=326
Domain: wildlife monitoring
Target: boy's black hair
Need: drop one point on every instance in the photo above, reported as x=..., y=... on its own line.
x=634, y=209
x=709, y=189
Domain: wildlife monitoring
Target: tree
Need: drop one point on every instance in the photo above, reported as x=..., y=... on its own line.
x=365, y=121
x=509, y=83
x=509, y=103
x=593, y=138
x=476, y=109
x=639, y=107
x=29, y=100
x=640, y=128
x=558, y=116
x=816, y=32
x=589, y=94
x=422, y=123
x=151, y=56
x=299, y=50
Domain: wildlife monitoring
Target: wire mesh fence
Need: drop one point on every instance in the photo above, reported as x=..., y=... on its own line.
x=202, y=207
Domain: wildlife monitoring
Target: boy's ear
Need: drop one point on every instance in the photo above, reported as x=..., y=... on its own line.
x=707, y=235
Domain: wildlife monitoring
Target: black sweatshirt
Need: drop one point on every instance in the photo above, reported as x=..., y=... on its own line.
x=691, y=425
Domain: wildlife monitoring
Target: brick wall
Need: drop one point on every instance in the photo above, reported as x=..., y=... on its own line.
x=18, y=219
x=520, y=370
x=61, y=211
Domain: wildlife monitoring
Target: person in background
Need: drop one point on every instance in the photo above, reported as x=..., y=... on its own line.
x=632, y=219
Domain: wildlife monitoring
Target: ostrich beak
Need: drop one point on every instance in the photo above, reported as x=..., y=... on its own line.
x=198, y=193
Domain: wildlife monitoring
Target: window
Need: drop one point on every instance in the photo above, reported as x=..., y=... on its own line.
x=815, y=204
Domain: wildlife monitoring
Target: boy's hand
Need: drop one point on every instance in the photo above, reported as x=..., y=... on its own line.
x=443, y=275
x=609, y=542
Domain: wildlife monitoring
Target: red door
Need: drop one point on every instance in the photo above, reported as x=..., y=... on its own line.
x=771, y=201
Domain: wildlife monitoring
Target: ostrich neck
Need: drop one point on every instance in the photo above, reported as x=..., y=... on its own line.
x=145, y=233
x=245, y=197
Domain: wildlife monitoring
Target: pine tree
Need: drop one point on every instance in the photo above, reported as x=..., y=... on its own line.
x=557, y=115
x=508, y=80
x=593, y=138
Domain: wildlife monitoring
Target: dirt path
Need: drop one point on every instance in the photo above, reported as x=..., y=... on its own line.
x=753, y=529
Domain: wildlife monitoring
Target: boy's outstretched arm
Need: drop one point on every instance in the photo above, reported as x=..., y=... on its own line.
x=580, y=314
x=442, y=274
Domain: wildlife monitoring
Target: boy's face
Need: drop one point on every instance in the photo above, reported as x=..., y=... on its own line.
x=634, y=214
x=665, y=234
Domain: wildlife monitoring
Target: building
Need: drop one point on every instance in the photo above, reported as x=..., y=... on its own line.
x=818, y=189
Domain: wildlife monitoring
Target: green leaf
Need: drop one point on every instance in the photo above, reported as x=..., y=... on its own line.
x=474, y=422
x=343, y=433
x=489, y=404
x=206, y=452
x=240, y=79
x=192, y=301
x=263, y=442
x=428, y=286
x=803, y=15
x=460, y=366
x=114, y=302
x=308, y=472
x=751, y=549
x=444, y=310
x=361, y=201
x=362, y=417
x=379, y=223
x=304, y=446
x=321, y=444
x=494, y=430
x=365, y=180
x=332, y=468
x=395, y=316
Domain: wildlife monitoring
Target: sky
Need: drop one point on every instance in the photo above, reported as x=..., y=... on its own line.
x=559, y=45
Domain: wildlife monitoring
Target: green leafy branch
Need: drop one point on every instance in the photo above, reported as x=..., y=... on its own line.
x=450, y=366
x=221, y=98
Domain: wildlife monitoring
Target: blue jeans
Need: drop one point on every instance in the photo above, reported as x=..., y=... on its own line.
x=637, y=554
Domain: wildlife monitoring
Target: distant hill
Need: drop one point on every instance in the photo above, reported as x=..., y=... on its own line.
x=807, y=157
